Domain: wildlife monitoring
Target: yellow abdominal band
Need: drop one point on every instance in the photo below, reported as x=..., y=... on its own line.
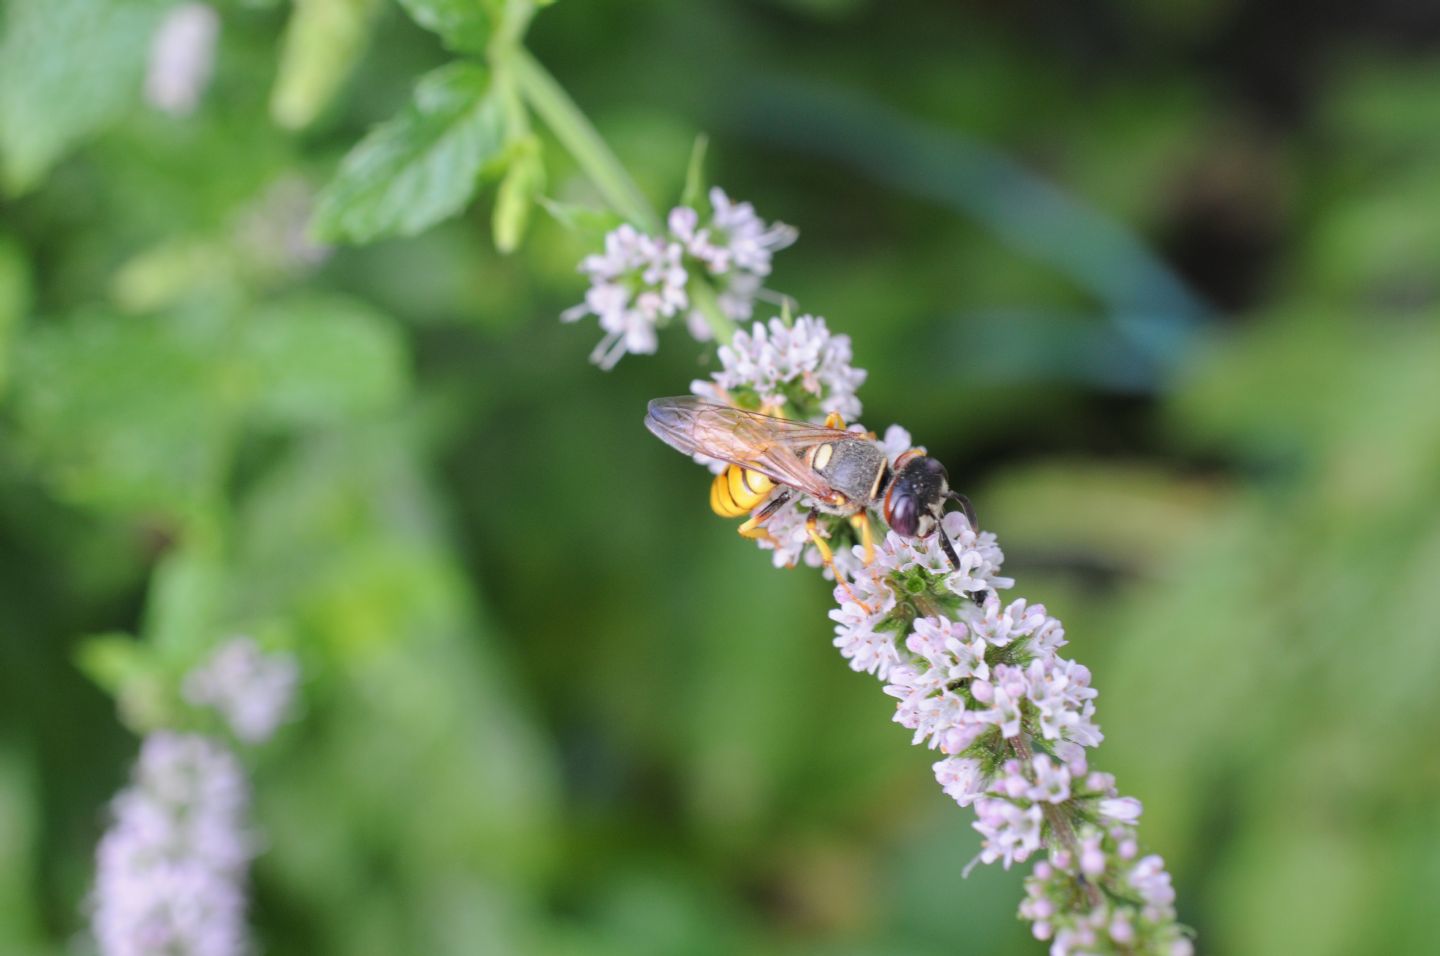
x=736, y=491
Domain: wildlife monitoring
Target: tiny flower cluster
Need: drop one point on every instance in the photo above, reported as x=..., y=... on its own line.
x=796, y=370
x=182, y=58
x=250, y=689
x=982, y=682
x=978, y=679
x=799, y=370
x=640, y=282
x=1136, y=916
x=170, y=870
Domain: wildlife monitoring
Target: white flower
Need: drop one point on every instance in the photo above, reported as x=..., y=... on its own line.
x=1123, y=809
x=779, y=362
x=171, y=868
x=863, y=610
x=980, y=557
x=1052, y=780
x=252, y=690
x=182, y=58
x=1011, y=833
x=635, y=284
x=1005, y=693
x=961, y=779
x=896, y=442
x=740, y=239
x=734, y=247
x=1153, y=885
x=944, y=644
x=1017, y=621
x=1061, y=692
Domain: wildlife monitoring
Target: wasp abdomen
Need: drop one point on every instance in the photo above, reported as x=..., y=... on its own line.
x=737, y=491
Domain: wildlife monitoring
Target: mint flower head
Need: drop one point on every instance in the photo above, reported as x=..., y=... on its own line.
x=182, y=58
x=171, y=868
x=976, y=677
x=981, y=680
x=636, y=284
x=640, y=282
x=735, y=247
x=250, y=689
x=797, y=370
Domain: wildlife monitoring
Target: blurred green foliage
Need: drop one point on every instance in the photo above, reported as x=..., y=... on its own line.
x=1155, y=280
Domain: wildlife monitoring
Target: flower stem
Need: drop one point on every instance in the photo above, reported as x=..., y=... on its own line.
x=703, y=297
x=1059, y=825
x=579, y=137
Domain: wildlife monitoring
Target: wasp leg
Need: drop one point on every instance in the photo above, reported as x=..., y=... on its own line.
x=833, y=420
x=949, y=548
x=828, y=556
x=754, y=528
x=867, y=536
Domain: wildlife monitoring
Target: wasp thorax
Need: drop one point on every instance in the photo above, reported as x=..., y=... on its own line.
x=916, y=497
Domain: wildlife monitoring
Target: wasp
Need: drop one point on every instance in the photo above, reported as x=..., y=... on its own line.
x=843, y=472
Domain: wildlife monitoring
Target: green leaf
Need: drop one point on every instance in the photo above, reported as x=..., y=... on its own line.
x=694, y=192
x=127, y=412
x=14, y=301
x=132, y=673
x=585, y=221
x=419, y=167
x=114, y=660
x=517, y=195
x=462, y=24
x=187, y=593
x=321, y=360
x=323, y=41
x=67, y=69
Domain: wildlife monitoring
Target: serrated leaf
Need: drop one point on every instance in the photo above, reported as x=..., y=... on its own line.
x=67, y=68
x=462, y=24
x=516, y=197
x=419, y=167
x=320, y=360
x=323, y=41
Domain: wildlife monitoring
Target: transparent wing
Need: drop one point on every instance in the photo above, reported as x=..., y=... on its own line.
x=764, y=443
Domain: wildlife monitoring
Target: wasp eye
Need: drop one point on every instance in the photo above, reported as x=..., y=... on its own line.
x=904, y=516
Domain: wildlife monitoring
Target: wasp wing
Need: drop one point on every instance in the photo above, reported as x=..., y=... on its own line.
x=764, y=443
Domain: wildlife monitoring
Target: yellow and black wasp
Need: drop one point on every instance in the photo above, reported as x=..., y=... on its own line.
x=843, y=472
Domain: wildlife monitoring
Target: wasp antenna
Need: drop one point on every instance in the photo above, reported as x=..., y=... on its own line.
x=966, y=507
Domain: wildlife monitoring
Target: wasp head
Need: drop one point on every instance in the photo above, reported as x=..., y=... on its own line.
x=916, y=497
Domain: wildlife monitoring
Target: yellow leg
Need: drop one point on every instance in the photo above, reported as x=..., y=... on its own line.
x=754, y=529
x=867, y=537
x=828, y=556
x=833, y=420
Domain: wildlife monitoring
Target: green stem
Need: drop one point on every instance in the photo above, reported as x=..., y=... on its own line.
x=1060, y=827
x=707, y=303
x=575, y=132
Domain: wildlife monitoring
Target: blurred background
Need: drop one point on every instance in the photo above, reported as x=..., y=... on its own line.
x=1156, y=280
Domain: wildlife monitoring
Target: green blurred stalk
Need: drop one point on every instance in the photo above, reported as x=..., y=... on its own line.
x=575, y=132
x=580, y=138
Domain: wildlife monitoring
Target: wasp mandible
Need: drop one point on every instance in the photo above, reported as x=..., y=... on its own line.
x=843, y=472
